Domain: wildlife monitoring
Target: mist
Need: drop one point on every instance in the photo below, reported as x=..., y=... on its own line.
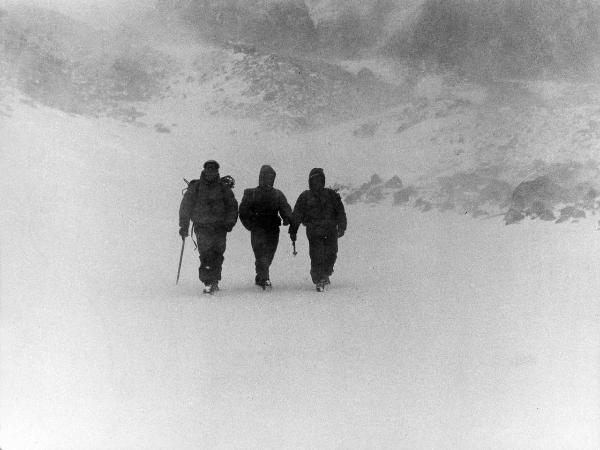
x=477, y=37
x=481, y=38
x=87, y=57
x=101, y=14
x=464, y=138
x=504, y=37
x=80, y=57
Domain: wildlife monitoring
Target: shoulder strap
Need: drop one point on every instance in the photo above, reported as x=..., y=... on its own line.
x=195, y=187
x=191, y=186
x=224, y=187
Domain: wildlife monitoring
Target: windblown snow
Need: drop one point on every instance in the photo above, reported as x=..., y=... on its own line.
x=443, y=329
x=439, y=331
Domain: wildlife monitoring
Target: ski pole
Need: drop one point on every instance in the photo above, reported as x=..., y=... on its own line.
x=180, y=259
x=294, y=245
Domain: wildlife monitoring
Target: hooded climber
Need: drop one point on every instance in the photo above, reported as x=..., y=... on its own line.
x=262, y=210
x=211, y=206
x=321, y=210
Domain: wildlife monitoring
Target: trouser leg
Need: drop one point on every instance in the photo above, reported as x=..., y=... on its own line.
x=323, y=254
x=316, y=250
x=330, y=255
x=211, y=246
x=264, y=244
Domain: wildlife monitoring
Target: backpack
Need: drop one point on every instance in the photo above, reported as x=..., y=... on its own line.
x=227, y=180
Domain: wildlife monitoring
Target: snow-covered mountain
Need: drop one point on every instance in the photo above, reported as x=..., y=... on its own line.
x=456, y=144
x=440, y=330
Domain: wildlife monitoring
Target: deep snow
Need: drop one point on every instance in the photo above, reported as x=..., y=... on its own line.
x=439, y=331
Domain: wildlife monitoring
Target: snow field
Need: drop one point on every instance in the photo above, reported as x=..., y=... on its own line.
x=439, y=331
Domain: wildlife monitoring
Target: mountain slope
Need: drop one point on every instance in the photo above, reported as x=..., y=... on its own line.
x=439, y=331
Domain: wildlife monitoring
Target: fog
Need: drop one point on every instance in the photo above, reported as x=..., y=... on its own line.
x=490, y=38
x=487, y=38
x=438, y=122
x=103, y=14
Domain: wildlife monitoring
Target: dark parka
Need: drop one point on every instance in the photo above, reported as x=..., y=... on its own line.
x=208, y=204
x=264, y=206
x=321, y=210
x=261, y=211
x=213, y=209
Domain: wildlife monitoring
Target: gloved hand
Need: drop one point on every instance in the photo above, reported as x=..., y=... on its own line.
x=293, y=237
x=183, y=232
x=341, y=232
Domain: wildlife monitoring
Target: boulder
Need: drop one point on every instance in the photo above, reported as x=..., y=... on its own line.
x=404, y=195
x=393, y=183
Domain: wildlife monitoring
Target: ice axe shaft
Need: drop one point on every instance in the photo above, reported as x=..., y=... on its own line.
x=180, y=259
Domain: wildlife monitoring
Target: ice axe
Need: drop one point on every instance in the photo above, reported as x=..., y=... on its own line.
x=180, y=259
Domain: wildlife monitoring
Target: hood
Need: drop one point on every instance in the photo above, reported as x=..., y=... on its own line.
x=266, y=178
x=316, y=179
x=210, y=176
x=211, y=163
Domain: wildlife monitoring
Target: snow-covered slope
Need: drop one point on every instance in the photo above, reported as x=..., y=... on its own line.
x=439, y=331
x=456, y=144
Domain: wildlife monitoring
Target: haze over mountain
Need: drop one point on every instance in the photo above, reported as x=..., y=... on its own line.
x=438, y=122
x=493, y=93
x=484, y=38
